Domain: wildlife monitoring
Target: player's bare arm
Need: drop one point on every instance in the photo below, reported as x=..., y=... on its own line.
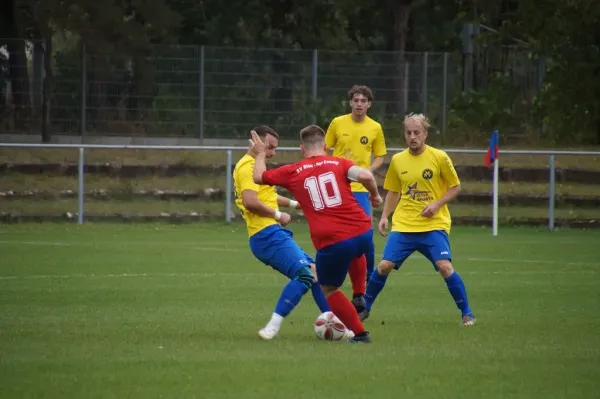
x=258, y=150
x=449, y=195
x=367, y=179
x=287, y=202
x=377, y=162
x=253, y=204
x=391, y=201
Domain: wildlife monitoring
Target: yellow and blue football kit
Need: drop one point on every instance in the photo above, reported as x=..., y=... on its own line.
x=356, y=141
x=274, y=245
x=420, y=180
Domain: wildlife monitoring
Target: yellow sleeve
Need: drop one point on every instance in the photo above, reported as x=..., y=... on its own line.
x=392, y=178
x=379, y=149
x=245, y=179
x=449, y=174
x=331, y=135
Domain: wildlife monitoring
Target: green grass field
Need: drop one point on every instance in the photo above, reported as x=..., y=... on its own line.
x=151, y=206
x=154, y=310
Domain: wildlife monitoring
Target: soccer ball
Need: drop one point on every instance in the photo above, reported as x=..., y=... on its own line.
x=329, y=327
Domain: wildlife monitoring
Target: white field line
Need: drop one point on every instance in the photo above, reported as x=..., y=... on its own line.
x=259, y=275
x=229, y=248
x=112, y=244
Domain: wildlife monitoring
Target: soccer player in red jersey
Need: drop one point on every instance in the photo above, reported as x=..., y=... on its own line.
x=340, y=229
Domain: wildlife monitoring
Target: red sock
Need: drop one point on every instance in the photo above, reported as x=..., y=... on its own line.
x=358, y=275
x=343, y=309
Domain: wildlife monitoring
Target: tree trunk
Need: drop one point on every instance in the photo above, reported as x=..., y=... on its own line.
x=19, y=79
x=140, y=98
x=47, y=91
x=401, y=14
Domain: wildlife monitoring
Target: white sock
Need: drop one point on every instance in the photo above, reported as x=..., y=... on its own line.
x=275, y=321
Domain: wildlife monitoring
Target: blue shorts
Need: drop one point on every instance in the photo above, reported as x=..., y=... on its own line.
x=434, y=245
x=275, y=247
x=334, y=260
x=363, y=201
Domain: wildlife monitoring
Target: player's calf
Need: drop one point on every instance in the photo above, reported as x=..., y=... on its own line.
x=290, y=297
x=317, y=293
x=376, y=284
x=343, y=309
x=457, y=289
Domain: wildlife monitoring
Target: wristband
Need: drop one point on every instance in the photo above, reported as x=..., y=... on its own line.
x=293, y=204
x=277, y=215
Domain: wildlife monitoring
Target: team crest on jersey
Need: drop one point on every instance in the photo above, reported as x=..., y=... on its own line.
x=427, y=174
x=418, y=195
x=364, y=140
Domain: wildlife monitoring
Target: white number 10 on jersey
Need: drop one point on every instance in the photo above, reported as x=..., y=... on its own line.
x=317, y=189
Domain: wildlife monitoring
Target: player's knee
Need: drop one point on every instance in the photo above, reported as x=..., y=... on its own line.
x=305, y=276
x=444, y=267
x=385, y=267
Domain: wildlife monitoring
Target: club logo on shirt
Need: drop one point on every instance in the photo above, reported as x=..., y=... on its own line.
x=364, y=140
x=418, y=195
x=427, y=174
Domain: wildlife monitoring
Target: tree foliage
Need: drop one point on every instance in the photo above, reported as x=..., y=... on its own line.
x=537, y=62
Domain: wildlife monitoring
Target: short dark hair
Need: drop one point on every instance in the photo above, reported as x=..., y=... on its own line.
x=312, y=134
x=263, y=130
x=358, y=89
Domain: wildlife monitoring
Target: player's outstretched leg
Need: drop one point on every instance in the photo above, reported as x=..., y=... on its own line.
x=358, y=276
x=343, y=309
x=457, y=289
x=288, y=300
x=317, y=292
x=376, y=284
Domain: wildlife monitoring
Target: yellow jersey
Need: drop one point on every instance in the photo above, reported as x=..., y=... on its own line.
x=421, y=180
x=356, y=142
x=242, y=180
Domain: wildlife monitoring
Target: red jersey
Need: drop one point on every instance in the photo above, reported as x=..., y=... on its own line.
x=321, y=187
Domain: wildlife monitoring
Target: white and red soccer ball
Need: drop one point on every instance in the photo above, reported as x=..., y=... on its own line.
x=329, y=327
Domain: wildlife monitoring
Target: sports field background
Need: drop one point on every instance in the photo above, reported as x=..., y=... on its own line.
x=155, y=310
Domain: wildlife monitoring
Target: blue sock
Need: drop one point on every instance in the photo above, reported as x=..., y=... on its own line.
x=370, y=264
x=319, y=298
x=376, y=284
x=459, y=292
x=290, y=297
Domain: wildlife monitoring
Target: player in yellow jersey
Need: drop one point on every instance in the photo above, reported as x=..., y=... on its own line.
x=269, y=242
x=421, y=180
x=357, y=137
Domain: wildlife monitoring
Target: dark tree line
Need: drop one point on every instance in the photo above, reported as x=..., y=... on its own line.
x=564, y=35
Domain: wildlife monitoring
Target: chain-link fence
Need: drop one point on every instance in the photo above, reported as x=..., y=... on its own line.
x=206, y=92
x=40, y=182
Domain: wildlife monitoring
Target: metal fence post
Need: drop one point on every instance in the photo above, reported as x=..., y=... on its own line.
x=552, y=192
x=424, y=83
x=80, y=186
x=229, y=186
x=315, y=76
x=444, y=95
x=201, y=94
x=83, y=91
